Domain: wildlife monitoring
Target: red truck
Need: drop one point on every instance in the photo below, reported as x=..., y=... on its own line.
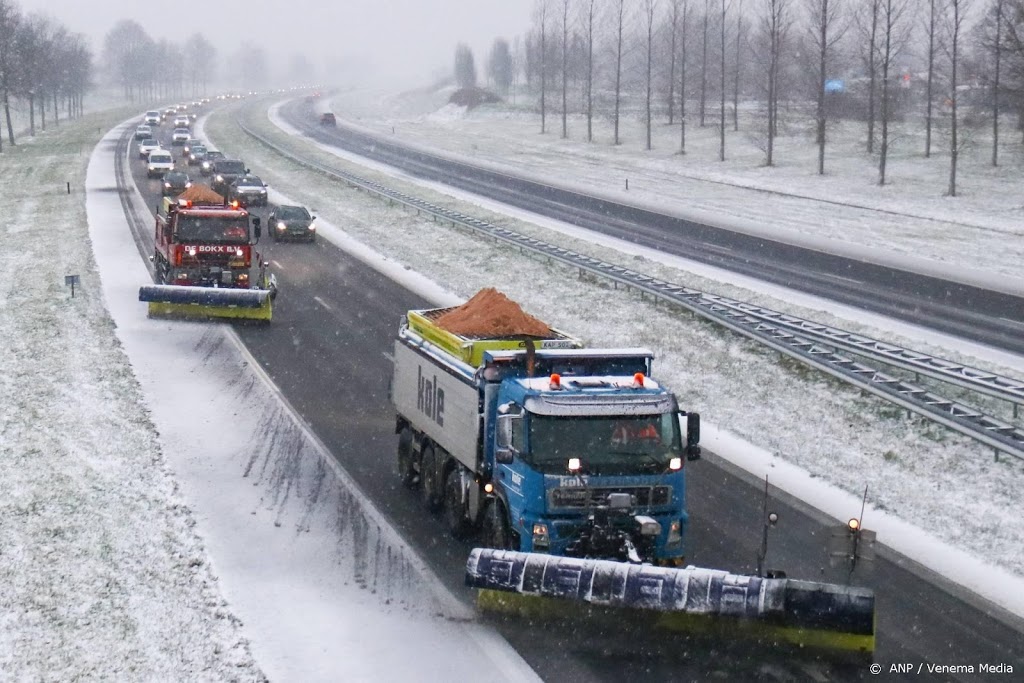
x=206, y=261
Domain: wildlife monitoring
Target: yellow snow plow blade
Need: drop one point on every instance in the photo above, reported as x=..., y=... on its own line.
x=704, y=602
x=204, y=303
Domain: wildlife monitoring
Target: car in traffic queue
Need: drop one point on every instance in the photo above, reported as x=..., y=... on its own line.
x=212, y=155
x=189, y=144
x=182, y=121
x=147, y=146
x=174, y=183
x=180, y=136
x=169, y=114
x=225, y=172
x=248, y=190
x=196, y=155
x=287, y=222
x=152, y=118
x=160, y=162
x=143, y=132
x=328, y=119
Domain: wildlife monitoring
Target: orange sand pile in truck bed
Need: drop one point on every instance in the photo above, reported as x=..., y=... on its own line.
x=201, y=194
x=492, y=314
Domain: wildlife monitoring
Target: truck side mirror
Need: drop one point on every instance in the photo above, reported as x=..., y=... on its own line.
x=503, y=456
x=693, y=436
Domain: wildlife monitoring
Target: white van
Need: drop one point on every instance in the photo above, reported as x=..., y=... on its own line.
x=160, y=162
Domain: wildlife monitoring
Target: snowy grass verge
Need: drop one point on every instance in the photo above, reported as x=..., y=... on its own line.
x=102, y=573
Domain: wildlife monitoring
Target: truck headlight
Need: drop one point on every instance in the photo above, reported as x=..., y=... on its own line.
x=541, y=540
x=220, y=179
x=648, y=525
x=675, y=532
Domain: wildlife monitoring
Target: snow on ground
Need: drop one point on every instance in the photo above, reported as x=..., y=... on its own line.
x=102, y=573
x=166, y=516
x=982, y=227
x=919, y=473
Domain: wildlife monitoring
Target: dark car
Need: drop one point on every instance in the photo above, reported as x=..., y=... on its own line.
x=248, y=190
x=196, y=155
x=327, y=119
x=176, y=182
x=212, y=155
x=225, y=172
x=186, y=149
x=291, y=222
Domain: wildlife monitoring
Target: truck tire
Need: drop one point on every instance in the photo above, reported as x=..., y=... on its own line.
x=429, y=489
x=496, y=532
x=454, y=511
x=406, y=464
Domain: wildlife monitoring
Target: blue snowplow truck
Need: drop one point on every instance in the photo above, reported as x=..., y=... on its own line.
x=568, y=464
x=542, y=445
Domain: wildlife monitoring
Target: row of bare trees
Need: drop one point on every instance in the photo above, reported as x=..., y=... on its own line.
x=42, y=64
x=148, y=69
x=878, y=61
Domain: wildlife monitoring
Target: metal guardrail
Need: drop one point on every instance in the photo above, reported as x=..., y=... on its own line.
x=803, y=340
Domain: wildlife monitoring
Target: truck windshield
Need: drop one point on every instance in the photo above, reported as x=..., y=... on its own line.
x=634, y=444
x=217, y=229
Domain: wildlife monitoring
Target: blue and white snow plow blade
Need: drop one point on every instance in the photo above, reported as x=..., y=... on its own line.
x=703, y=601
x=174, y=301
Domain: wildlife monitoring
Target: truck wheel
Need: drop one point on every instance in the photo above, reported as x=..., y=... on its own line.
x=406, y=469
x=454, y=512
x=496, y=533
x=429, y=493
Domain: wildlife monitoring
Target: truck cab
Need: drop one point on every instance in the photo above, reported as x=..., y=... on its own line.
x=567, y=444
x=207, y=245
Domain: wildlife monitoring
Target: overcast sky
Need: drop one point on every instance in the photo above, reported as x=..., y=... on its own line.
x=410, y=39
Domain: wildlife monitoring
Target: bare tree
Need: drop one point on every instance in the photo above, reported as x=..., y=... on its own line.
x=10, y=20
x=542, y=13
x=868, y=21
x=721, y=84
x=891, y=20
x=825, y=18
x=127, y=52
x=738, y=69
x=200, y=61
x=32, y=43
x=588, y=21
x=650, y=8
x=955, y=11
x=565, y=66
x=704, y=61
x=998, y=53
x=673, y=36
x=620, y=14
x=685, y=30
x=931, y=77
x=775, y=24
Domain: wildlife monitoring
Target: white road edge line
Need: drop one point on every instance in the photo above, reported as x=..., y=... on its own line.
x=323, y=303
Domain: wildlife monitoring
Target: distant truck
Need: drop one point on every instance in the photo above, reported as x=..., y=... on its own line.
x=548, y=446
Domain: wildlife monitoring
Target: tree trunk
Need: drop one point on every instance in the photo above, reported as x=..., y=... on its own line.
x=822, y=74
x=931, y=76
x=32, y=114
x=721, y=88
x=954, y=147
x=736, y=79
x=884, y=152
x=995, y=84
x=543, y=70
x=565, y=70
x=590, y=73
x=7, y=112
x=650, y=50
x=672, y=64
x=682, y=86
x=618, y=73
x=704, y=64
x=872, y=77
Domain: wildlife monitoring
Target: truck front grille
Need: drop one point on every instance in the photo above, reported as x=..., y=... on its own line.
x=578, y=497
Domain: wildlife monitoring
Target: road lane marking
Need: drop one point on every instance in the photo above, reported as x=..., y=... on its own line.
x=323, y=303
